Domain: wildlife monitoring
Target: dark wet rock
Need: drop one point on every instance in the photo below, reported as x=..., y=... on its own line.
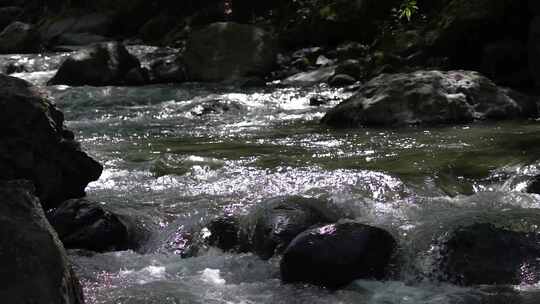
x=170, y=69
x=19, y=37
x=35, y=145
x=351, y=67
x=227, y=51
x=34, y=265
x=224, y=232
x=266, y=230
x=429, y=97
x=309, y=78
x=99, y=65
x=337, y=254
x=534, y=185
x=13, y=67
x=83, y=224
x=273, y=225
x=341, y=80
x=486, y=254
x=137, y=76
x=318, y=101
x=8, y=14
x=76, y=27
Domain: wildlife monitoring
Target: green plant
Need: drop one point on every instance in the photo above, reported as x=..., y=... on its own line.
x=407, y=9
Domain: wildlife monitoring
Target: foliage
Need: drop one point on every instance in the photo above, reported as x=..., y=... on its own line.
x=407, y=9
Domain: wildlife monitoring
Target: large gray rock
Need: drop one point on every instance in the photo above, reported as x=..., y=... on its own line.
x=229, y=51
x=83, y=224
x=33, y=264
x=35, y=145
x=429, y=97
x=19, y=37
x=98, y=65
x=335, y=255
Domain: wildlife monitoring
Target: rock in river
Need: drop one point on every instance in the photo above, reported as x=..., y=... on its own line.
x=484, y=253
x=101, y=64
x=276, y=222
x=34, y=267
x=82, y=224
x=429, y=97
x=268, y=228
x=335, y=255
x=229, y=51
x=35, y=145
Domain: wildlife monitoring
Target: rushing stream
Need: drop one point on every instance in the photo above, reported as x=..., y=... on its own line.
x=183, y=154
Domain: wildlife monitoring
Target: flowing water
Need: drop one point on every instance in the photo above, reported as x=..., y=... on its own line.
x=182, y=154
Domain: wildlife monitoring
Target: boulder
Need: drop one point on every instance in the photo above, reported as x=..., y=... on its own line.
x=35, y=145
x=170, y=69
x=276, y=222
x=99, y=65
x=19, y=37
x=224, y=233
x=351, y=67
x=429, y=97
x=227, y=51
x=341, y=80
x=34, y=265
x=267, y=229
x=335, y=255
x=483, y=253
x=534, y=185
x=83, y=224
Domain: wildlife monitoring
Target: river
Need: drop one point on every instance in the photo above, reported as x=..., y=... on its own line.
x=182, y=154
